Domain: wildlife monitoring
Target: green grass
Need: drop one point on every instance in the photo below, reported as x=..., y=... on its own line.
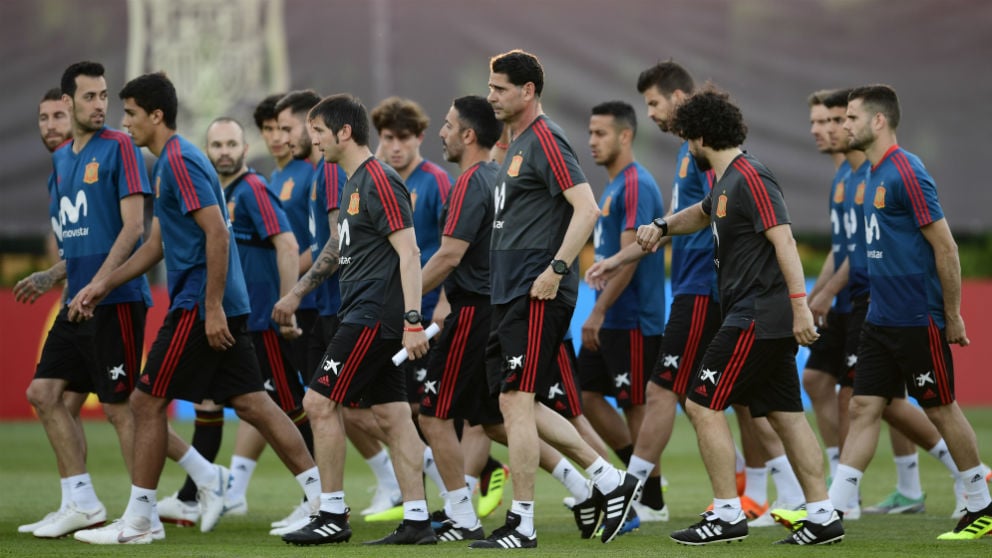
x=29, y=489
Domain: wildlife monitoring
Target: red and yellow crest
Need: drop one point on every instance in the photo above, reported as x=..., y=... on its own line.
x=839, y=192
x=684, y=167
x=353, y=204
x=721, y=206
x=606, y=206
x=515, y=163
x=413, y=201
x=880, y=197
x=859, y=194
x=92, y=173
x=230, y=210
x=287, y=189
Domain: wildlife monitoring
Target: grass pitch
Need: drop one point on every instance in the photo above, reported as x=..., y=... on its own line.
x=29, y=489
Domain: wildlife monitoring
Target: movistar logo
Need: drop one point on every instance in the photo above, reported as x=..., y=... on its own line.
x=69, y=214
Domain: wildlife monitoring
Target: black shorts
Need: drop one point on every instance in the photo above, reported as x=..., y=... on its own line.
x=357, y=367
x=456, y=372
x=621, y=365
x=415, y=372
x=563, y=394
x=893, y=360
x=299, y=348
x=100, y=355
x=852, y=339
x=322, y=332
x=739, y=369
x=182, y=365
x=524, y=344
x=279, y=376
x=826, y=354
x=692, y=323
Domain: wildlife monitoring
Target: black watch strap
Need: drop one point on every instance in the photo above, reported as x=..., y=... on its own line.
x=662, y=224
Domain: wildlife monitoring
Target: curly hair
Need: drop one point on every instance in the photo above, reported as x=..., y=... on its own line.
x=709, y=114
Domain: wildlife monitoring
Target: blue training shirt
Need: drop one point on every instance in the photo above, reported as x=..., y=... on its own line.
x=86, y=189
x=325, y=196
x=838, y=230
x=630, y=200
x=291, y=185
x=185, y=181
x=857, y=255
x=429, y=186
x=692, y=254
x=900, y=198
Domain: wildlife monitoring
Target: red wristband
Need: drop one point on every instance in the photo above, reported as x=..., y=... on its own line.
x=797, y=295
x=414, y=328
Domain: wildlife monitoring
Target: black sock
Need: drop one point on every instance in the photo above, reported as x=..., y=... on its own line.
x=624, y=453
x=299, y=418
x=208, y=431
x=651, y=496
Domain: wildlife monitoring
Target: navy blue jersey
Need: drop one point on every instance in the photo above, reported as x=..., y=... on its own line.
x=325, y=196
x=692, y=254
x=429, y=186
x=185, y=181
x=87, y=191
x=839, y=233
x=745, y=203
x=905, y=289
x=532, y=213
x=468, y=216
x=375, y=204
x=256, y=216
x=630, y=200
x=292, y=184
x=857, y=250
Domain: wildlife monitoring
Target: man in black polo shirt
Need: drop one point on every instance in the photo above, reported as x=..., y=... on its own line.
x=751, y=360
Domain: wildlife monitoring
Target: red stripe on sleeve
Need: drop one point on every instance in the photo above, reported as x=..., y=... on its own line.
x=132, y=175
x=186, y=188
x=553, y=153
x=630, y=198
x=331, y=186
x=913, y=189
x=393, y=215
x=759, y=192
x=457, y=201
x=443, y=182
x=264, y=205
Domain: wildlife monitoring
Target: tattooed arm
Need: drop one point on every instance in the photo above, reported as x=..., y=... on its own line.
x=323, y=267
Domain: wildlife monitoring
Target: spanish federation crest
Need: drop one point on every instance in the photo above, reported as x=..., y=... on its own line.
x=880, y=197
x=286, y=192
x=515, y=163
x=353, y=204
x=684, y=167
x=606, y=206
x=839, y=192
x=92, y=173
x=859, y=194
x=721, y=206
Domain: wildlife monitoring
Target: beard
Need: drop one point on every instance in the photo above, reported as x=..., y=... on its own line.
x=860, y=143
x=229, y=168
x=306, y=149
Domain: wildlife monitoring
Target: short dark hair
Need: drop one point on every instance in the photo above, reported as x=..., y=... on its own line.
x=53, y=94
x=520, y=67
x=623, y=114
x=879, y=98
x=836, y=98
x=337, y=110
x=266, y=110
x=477, y=114
x=300, y=101
x=85, y=68
x=400, y=115
x=154, y=92
x=709, y=114
x=667, y=77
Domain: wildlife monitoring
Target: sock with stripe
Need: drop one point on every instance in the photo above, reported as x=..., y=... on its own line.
x=605, y=476
x=572, y=479
x=332, y=502
x=82, y=493
x=908, y=475
x=525, y=509
x=241, y=471
x=976, y=490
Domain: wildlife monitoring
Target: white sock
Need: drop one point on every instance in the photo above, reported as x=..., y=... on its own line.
x=757, y=484
x=198, y=468
x=415, y=510
x=908, y=475
x=81, y=492
x=241, y=471
x=739, y=463
x=332, y=502
x=844, y=489
x=727, y=510
x=786, y=484
x=471, y=482
x=640, y=468
x=66, y=494
x=833, y=459
x=573, y=480
x=430, y=469
x=310, y=483
x=525, y=510
x=975, y=488
x=382, y=468
x=458, y=506
x=941, y=452
x=140, y=507
x=606, y=477
x=819, y=512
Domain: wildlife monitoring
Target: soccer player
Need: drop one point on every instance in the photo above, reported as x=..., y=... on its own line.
x=622, y=334
x=380, y=313
x=915, y=310
x=751, y=359
x=97, y=191
x=203, y=350
x=455, y=378
x=545, y=211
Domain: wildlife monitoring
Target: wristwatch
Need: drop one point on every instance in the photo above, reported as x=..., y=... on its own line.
x=413, y=317
x=559, y=267
x=662, y=224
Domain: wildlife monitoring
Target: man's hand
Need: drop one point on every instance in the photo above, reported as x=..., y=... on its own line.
x=545, y=287
x=802, y=323
x=218, y=335
x=292, y=331
x=600, y=273
x=590, y=329
x=28, y=290
x=284, y=311
x=819, y=305
x=85, y=301
x=649, y=237
x=954, y=330
x=415, y=343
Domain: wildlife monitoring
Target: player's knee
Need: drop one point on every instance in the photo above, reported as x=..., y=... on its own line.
x=43, y=395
